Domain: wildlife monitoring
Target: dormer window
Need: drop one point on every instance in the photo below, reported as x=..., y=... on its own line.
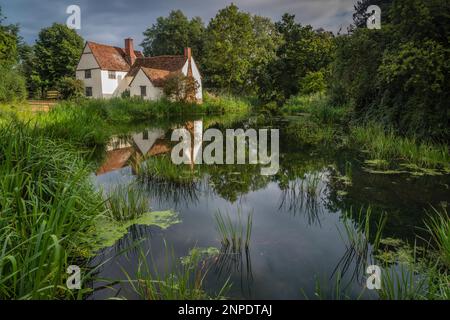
x=87, y=74
x=111, y=75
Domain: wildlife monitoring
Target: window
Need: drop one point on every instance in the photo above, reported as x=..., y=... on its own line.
x=87, y=74
x=88, y=91
x=111, y=74
x=143, y=91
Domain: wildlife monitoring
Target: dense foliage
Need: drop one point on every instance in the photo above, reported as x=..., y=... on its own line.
x=12, y=84
x=399, y=75
x=169, y=35
x=57, y=51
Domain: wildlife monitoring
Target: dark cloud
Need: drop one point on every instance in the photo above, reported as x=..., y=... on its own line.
x=110, y=21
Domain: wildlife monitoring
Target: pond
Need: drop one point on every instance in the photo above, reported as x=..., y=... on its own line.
x=299, y=216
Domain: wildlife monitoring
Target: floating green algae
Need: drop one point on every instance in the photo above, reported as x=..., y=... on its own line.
x=108, y=231
x=197, y=254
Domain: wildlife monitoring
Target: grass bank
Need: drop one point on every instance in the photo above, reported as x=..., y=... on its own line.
x=47, y=205
x=323, y=123
x=88, y=123
x=137, y=109
x=384, y=144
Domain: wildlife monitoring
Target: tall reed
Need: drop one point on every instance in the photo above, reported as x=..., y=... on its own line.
x=438, y=226
x=127, y=202
x=176, y=280
x=232, y=232
x=47, y=205
x=385, y=144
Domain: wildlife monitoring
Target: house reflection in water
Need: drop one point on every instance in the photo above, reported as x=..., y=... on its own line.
x=121, y=151
x=134, y=148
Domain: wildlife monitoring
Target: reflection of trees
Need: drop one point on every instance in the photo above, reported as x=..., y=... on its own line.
x=297, y=200
x=405, y=199
x=170, y=191
x=232, y=181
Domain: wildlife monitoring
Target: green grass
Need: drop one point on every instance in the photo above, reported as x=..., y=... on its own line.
x=438, y=226
x=386, y=145
x=318, y=107
x=47, y=205
x=360, y=238
x=136, y=109
x=126, y=203
x=79, y=126
x=232, y=232
x=179, y=280
x=15, y=110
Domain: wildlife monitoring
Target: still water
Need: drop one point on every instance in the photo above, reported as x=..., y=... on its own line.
x=297, y=239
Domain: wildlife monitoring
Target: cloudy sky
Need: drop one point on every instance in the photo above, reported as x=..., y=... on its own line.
x=110, y=21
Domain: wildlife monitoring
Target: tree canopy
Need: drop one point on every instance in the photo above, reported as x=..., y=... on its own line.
x=169, y=35
x=57, y=51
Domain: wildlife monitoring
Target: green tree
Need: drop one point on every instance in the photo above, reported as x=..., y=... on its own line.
x=8, y=42
x=228, y=50
x=302, y=51
x=181, y=88
x=399, y=75
x=173, y=33
x=12, y=85
x=57, y=52
x=238, y=47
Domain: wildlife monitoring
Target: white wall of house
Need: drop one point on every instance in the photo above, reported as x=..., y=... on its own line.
x=196, y=75
x=88, y=62
x=153, y=93
x=109, y=86
x=124, y=85
x=95, y=82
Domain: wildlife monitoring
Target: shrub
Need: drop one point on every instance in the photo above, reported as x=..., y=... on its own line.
x=70, y=88
x=12, y=85
x=181, y=88
x=313, y=82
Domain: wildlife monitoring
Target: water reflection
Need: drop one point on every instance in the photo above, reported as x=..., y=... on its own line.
x=298, y=213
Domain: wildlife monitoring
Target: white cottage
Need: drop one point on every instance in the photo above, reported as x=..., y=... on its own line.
x=108, y=71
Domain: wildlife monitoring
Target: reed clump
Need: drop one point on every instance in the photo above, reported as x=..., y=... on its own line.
x=47, y=205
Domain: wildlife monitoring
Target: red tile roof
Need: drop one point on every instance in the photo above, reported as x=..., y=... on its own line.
x=158, y=69
x=111, y=58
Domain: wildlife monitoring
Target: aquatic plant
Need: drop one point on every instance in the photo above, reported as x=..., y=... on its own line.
x=127, y=202
x=438, y=226
x=385, y=144
x=401, y=283
x=177, y=280
x=232, y=233
x=361, y=238
x=312, y=182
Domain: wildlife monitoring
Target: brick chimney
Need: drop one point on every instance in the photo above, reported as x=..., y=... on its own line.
x=129, y=51
x=188, y=56
x=188, y=53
